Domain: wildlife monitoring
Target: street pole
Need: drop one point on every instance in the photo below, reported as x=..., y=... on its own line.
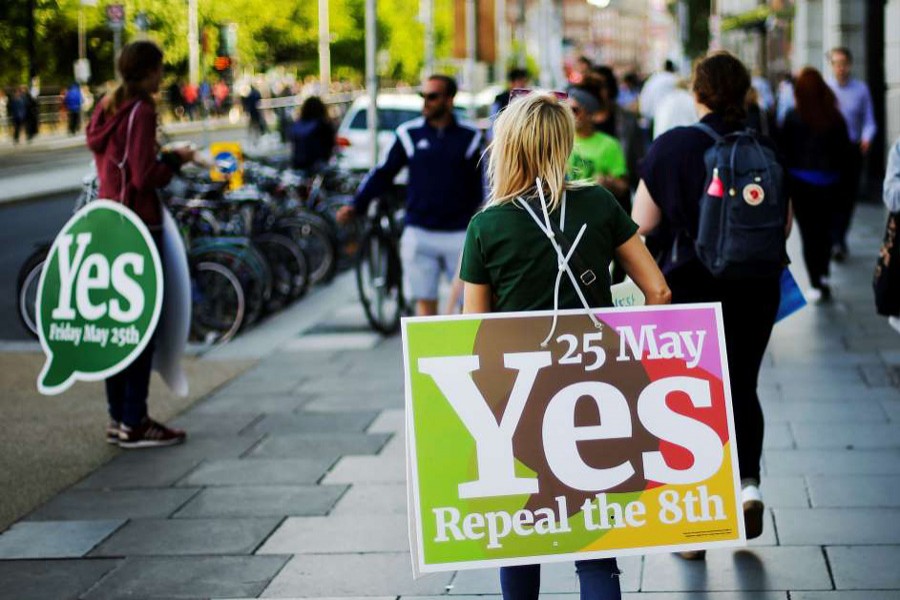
x=372, y=77
x=81, y=33
x=426, y=8
x=324, y=47
x=117, y=46
x=471, y=49
x=193, y=43
x=546, y=14
x=500, y=37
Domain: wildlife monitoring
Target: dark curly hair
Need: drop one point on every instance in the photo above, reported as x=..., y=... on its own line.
x=721, y=83
x=313, y=109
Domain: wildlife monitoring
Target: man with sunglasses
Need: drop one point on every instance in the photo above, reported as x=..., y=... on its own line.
x=443, y=192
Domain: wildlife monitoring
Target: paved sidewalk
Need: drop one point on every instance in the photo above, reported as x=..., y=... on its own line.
x=292, y=483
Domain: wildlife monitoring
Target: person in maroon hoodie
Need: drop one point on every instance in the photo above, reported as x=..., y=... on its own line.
x=122, y=136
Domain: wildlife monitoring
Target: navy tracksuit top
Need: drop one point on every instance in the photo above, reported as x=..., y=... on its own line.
x=445, y=185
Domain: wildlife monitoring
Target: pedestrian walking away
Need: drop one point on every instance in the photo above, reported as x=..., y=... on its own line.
x=855, y=103
x=312, y=136
x=510, y=258
x=443, y=192
x=122, y=136
x=74, y=101
x=815, y=145
x=667, y=208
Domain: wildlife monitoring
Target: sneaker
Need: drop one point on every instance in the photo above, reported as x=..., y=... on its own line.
x=112, y=432
x=752, y=502
x=149, y=434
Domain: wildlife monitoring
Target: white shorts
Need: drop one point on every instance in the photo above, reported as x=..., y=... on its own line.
x=425, y=255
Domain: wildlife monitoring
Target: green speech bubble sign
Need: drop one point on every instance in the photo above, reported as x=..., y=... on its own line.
x=99, y=296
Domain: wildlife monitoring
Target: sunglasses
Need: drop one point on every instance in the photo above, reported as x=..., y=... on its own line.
x=430, y=96
x=521, y=92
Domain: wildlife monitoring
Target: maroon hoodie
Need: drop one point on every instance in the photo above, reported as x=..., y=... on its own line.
x=106, y=135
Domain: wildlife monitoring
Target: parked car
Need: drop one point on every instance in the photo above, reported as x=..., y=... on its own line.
x=393, y=110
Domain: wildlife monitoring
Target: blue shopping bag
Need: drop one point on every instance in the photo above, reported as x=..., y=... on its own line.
x=792, y=298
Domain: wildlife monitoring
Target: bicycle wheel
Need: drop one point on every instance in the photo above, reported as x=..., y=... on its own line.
x=313, y=235
x=290, y=271
x=379, y=282
x=249, y=267
x=27, y=288
x=217, y=301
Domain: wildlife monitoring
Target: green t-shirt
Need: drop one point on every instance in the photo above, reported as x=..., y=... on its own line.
x=597, y=155
x=507, y=250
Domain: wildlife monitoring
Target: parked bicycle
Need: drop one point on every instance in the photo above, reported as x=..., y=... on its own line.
x=379, y=274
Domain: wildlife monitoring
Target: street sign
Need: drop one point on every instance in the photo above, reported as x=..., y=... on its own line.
x=115, y=16
x=82, y=68
x=99, y=296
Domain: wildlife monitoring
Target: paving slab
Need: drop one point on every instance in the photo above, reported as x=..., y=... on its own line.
x=865, y=567
x=389, y=421
x=846, y=595
x=55, y=539
x=252, y=404
x=144, y=472
x=188, y=577
x=846, y=435
x=367, y=469
x=258, y=471
x=833, y=462
x=330, y=342
x=855, y=490
x=202, y=448
x=785, y=491
x=313, y=422
x=822, y=526
x=556, y=578
x=777, y=568
x=56, y=579
x=84, y=505
x=199, y=425
x=372, y=499
x=817, y=411
x=262, y=501
x=355, y=401
x=339, y=534
x=338, y=575
x=852, y=394
x=752, y=595
x=319, y=445
x=778, y=435
x=178, y=537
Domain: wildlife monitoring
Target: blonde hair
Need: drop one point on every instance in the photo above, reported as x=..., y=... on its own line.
x=533, y=137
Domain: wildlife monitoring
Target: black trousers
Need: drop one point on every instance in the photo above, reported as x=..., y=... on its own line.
x=749, y=307
x=846, y=197
x=814, y=209
x=126, y=391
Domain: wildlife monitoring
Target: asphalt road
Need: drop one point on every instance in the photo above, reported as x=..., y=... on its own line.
x=25, y=224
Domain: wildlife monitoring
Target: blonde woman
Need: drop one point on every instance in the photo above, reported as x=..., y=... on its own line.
x=509, y=263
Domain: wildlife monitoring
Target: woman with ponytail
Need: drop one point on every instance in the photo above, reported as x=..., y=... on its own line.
x=122, y=136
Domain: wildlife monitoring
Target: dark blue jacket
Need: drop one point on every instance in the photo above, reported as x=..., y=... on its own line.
x=445, y=184
x=73, y=99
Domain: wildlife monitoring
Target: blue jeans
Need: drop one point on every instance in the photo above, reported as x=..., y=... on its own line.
x=598, y=579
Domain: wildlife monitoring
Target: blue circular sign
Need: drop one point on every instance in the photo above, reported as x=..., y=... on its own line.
x=226, y=163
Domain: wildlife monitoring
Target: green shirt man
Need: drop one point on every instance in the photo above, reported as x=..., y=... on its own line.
x=596, y=155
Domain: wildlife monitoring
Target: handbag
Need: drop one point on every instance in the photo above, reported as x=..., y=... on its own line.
x=886, y=283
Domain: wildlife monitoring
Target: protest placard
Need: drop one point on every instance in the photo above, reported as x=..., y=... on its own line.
x=609, y=441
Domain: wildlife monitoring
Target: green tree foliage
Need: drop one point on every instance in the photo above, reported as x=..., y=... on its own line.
x=270, y=33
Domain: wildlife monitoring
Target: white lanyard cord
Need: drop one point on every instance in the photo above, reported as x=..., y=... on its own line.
x=562, y=260
x=121, y=164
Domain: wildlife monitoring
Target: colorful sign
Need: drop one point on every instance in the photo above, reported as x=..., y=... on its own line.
x=99, y=297
x=228, y=163
x=609, y=441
